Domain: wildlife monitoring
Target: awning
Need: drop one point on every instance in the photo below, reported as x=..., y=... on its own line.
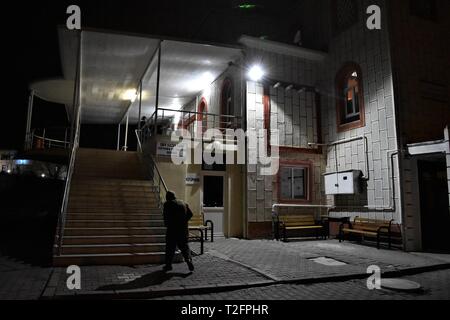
x=112, y=66
x=54, y=90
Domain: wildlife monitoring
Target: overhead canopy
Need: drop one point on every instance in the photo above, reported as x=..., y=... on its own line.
x=113, y=65
x=54, y=90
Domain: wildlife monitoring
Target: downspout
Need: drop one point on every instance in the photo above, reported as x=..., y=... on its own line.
x=390, y=154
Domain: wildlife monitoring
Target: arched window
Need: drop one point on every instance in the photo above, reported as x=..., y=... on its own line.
x=350, y=98
x=227, y=104
x=202, y=118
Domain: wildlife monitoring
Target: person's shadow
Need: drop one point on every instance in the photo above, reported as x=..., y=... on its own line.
x=147, y=280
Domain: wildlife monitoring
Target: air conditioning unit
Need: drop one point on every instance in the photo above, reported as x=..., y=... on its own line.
x=345, y=182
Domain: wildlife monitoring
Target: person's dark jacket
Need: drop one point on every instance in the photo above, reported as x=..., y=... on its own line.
x=176, y=215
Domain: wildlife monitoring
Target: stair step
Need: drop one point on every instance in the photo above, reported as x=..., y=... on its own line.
x=114, y=231
x=102, y=202
x=113, y=216
x=111, y=259
x=70, y=223
x=87, y=208
x=123, y=194
x=113, y=248
x=112, y=239
x=111, y=182
x=113, y=210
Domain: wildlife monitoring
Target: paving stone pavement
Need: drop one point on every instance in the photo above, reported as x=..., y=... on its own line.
x=209, y=271
x=436, y=286
x=20, y=281
x=226, y=264
x=288, y=261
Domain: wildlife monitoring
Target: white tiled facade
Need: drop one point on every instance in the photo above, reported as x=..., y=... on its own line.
x=294, y=115
x=370, y=50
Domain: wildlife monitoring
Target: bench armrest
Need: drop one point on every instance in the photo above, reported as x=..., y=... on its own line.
x=211, y=230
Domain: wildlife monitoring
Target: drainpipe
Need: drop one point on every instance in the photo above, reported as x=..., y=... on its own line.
x=337, y=143
x=390, y=154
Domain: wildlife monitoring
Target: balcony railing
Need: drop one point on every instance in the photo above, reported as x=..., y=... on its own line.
x=48, y=138
x=165, y=121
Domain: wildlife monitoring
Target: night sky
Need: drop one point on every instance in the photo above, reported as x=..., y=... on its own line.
x=31, y=51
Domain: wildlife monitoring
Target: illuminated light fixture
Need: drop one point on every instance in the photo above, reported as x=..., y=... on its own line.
x=130, y=95
x=256, y=73
x=277, y=85
x=43, y=175
x=247, y=6
x=9, y=171
x=301, y=90
x=290, y=87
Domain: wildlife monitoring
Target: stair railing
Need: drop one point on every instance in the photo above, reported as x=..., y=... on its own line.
x=153, y=170
x=70, y=170
x=75, y=138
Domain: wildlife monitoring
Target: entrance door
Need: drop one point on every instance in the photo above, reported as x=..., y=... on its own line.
x=213, y=201
x=435, y=216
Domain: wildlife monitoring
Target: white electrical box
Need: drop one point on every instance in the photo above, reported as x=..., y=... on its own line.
x=346, y=182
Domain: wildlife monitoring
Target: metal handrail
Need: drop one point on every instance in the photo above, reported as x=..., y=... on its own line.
x=162, y=186
x=70, y=170
x=75, y=138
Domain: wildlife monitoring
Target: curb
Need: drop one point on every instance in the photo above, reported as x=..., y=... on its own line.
x=149, y=293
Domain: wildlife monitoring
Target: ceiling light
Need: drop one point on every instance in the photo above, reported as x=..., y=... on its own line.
x=130, y=95
x=256, y=73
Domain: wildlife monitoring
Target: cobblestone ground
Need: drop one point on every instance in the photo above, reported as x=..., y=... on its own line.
x=19, y=281
x=225, y=263
x=287, y=261
x=209, y=271
x=436, y=286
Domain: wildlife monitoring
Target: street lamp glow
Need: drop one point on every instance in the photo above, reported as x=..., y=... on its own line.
x=256, y=73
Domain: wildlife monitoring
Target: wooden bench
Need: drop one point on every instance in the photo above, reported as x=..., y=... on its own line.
x=198, y=224
x=285, y=223
x=368, y=228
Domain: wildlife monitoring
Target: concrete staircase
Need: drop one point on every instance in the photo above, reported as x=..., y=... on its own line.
x=113, y=214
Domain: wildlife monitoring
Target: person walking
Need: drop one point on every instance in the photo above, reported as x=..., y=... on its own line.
x=176, y=217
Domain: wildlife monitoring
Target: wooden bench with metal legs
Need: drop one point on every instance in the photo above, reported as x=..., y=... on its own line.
x=197, y=224
x=368, y=228
x=285, y=223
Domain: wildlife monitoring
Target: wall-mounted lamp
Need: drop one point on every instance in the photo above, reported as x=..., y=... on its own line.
x=256, y=73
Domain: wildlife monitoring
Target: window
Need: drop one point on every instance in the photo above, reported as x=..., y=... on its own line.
x=345, y=14
x=350, y=101
x=226, y=104
x=213, y=192
x=425, y=9
x=293, y=182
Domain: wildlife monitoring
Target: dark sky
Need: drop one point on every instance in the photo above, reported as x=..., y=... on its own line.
x=31, y=51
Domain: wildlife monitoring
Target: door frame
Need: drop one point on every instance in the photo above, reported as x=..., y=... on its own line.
x=226, y=216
